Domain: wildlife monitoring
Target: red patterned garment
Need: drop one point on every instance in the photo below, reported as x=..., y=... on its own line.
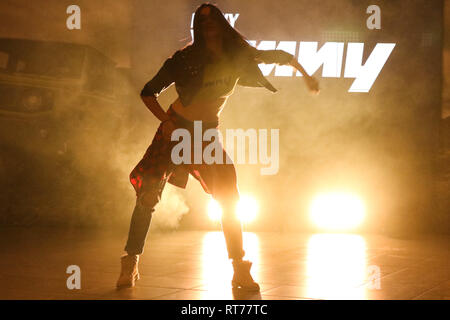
x=156, y=167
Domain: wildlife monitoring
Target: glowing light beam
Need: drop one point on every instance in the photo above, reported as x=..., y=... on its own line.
x=337, y=211
x=246, y=209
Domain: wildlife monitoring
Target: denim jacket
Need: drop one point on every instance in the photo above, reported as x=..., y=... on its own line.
x=185, y=68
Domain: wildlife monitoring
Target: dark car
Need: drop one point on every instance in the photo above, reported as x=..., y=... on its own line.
x=59, y=114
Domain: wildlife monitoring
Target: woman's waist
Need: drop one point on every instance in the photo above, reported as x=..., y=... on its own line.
x=205, y=111
x=181, y=121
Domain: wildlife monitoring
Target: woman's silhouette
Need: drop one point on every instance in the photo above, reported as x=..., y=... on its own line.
x=205, y=73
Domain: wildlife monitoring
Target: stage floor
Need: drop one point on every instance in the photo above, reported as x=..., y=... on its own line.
x=194, y=265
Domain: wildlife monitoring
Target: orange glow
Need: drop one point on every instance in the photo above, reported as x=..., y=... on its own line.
x=246, y=209
x=337, y=211
x=336, y=266
x=217, y=270
x=214, y=210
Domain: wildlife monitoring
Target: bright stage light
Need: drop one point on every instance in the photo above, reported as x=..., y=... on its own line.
x=246, y=209
x=214, y=210
x=337, y=211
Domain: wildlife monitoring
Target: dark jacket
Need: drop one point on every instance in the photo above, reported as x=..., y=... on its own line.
x=185, y=68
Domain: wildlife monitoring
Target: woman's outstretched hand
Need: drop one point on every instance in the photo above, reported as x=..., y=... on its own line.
x=313, y=85
x=311, y=82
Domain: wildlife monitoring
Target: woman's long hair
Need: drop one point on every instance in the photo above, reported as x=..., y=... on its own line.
x=234, y=42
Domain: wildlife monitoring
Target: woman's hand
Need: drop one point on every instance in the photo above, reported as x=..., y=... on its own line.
x=312, y=84
x=167, y=128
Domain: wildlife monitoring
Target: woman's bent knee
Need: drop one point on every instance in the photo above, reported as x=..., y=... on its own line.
x=148, y=199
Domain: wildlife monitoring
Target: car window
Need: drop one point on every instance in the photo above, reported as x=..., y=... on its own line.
x=43, y=59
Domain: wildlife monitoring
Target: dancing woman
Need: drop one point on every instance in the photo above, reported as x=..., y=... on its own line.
x=205, y=73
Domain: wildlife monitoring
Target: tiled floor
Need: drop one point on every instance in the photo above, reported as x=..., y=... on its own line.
x=194, y=265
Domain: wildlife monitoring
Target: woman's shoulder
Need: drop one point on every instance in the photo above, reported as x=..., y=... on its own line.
x=187, y=59
x=184, y=53
x=185, y=63
x=191, y=53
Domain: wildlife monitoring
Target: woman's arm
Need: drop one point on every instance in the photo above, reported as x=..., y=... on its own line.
x=153, y=88
x=153, y=105
x=299, y=67
x=311, y=82
x=279, y=57
x=161, y=81
x=282, y=57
